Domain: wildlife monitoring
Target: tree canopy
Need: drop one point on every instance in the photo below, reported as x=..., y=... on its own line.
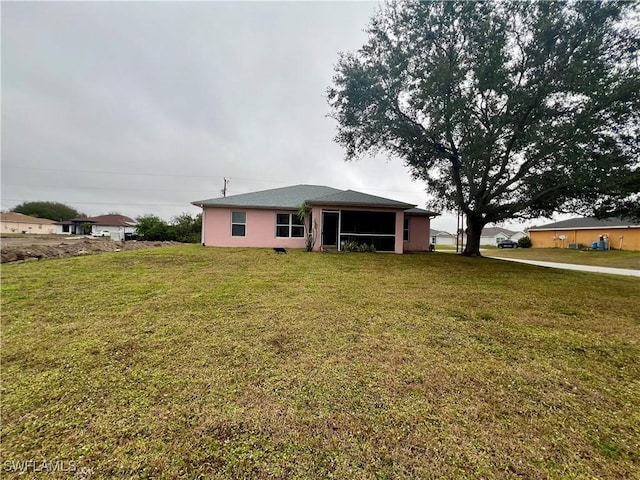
x=505, y=109
x=182, y=228
x=52, y=210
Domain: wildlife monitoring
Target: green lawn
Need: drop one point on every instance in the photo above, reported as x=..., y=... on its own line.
x=191, y=362
x=606, y=258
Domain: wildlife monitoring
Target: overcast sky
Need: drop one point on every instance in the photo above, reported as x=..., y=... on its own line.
x=143, y=108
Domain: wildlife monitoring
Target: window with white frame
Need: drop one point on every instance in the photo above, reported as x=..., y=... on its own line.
x=238, y=224
x=406, y=230
x=289, y=225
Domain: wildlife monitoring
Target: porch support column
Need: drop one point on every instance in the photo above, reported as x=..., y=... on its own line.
x=399, y=246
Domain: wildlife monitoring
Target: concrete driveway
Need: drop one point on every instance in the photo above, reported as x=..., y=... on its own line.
x=570, y=266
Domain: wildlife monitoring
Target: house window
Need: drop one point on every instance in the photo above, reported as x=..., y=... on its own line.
x=500, y=239
x=65, y=228
x=238, y=224
x=405, y=232
x=289, y=225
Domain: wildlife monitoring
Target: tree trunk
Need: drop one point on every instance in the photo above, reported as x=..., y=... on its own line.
x=474, y=230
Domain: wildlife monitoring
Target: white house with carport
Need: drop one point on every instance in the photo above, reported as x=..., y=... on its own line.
x=117, y=225
x=440, y=237
x=494, y=235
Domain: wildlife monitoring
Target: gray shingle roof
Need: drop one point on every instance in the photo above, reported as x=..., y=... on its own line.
x=439, y=233
x=420, y=212
x=286, y=197
x=493, y=231
x=353, y=198
x=294, y=196
x=587, y=222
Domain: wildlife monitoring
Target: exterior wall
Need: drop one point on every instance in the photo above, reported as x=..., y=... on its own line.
x=28, y=227
x=260, y=229
x=445, y=240
x=113, y=229
x=419, y=230
x=492, y=240
x=619, y=238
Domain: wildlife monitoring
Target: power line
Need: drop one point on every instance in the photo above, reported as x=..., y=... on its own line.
x=74, y=187
x=260, y=180
x=112, y=203
x=101, y=172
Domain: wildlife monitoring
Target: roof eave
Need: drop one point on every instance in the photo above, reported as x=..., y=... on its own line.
x=402, y=206
x=595, y=227
x=422, y=214
x=249, y=207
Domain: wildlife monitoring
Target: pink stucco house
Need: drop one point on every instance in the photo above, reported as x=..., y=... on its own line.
x=269, y=218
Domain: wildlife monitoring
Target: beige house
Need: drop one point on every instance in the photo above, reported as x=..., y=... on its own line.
x=13, y=222
x=616, y=233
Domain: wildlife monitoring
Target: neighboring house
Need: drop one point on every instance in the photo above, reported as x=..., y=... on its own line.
x=334, y=217
x=582, y=232
x=116, y=225
x=13, y=222
x=439, y=237
x=494, y=235
x=489, y=236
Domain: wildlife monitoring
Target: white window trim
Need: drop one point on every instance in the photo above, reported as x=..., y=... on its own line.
x=238, y=223
x=290, y=225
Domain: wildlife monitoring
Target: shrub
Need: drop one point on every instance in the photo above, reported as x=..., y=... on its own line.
x=183, y=228
x=354, y=246
x=153, y=228
x=524, y=242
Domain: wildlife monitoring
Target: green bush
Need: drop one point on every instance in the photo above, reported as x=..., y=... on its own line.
x=524, y=242
x=354, y=246
x=183, y=228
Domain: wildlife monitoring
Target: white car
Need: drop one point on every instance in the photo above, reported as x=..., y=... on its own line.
x=101, y=233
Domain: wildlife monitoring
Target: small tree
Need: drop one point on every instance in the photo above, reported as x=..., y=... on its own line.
x=86, y=228
x=186, y=228
x=151, y=227
x=303, y=211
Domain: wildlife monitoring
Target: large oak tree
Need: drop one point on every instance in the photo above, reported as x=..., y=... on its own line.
x=505, y=109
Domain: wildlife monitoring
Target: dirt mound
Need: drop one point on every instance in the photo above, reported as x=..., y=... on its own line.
x=17, y=253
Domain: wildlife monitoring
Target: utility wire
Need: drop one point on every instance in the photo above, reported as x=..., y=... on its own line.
x=260, y=180
x=186, y=204
x=101, y=172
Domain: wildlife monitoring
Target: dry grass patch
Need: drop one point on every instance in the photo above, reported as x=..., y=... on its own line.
x=228, y=363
